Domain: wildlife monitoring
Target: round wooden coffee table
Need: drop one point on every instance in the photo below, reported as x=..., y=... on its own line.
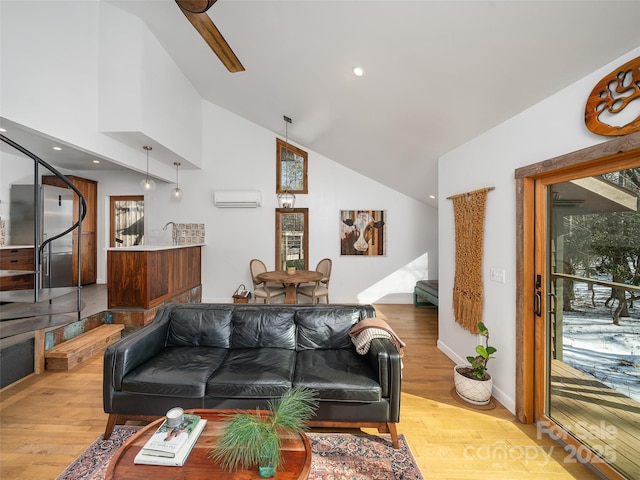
x=296, y=453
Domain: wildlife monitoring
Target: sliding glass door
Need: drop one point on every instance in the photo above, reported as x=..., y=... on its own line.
x=589, y=312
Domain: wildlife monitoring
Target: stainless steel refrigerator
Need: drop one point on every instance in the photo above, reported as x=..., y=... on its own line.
x=56, y=215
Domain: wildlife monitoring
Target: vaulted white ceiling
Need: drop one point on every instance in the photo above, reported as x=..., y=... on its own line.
x=437, y=73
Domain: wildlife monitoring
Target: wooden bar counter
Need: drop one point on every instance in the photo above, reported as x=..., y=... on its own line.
x=143, y=277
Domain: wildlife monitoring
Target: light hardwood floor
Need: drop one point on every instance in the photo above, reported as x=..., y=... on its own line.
x=49, y=419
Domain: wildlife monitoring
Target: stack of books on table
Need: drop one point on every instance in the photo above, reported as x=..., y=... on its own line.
x=172, y=445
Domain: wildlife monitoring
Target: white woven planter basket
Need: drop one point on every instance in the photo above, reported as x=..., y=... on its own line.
x=477, y=392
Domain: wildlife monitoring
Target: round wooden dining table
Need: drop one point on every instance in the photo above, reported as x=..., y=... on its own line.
x=290, y=280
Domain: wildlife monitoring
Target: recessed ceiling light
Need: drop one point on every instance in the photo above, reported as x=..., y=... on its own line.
x=432, y=197
x=96, y=161
x=358, y=71
x=57, y=148
x=2, y=130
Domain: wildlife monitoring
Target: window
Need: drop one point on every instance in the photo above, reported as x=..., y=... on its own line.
x=291, y=168
x=292, y=238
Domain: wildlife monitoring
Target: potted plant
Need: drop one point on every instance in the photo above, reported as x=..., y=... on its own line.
x=291, y=267
x=473, y=383
x=253, y=439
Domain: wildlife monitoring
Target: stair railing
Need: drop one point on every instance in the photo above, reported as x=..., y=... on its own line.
x=39, y=248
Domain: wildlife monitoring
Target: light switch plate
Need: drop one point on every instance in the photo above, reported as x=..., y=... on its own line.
x=497, y=274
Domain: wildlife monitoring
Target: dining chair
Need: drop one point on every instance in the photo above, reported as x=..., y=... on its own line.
x=260, y=288
x=321, y=287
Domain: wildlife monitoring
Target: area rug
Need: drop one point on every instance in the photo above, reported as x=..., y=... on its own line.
x=336, y=456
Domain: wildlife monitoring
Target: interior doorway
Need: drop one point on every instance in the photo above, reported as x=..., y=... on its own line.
x=577, y=282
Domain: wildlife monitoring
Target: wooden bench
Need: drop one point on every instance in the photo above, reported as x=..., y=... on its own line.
x=76, y=350
x=428, y=290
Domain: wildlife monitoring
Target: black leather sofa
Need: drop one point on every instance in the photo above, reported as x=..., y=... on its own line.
x=238, y=356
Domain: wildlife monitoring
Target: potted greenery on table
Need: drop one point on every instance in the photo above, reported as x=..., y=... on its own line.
x=473, y=383
x=253, y=439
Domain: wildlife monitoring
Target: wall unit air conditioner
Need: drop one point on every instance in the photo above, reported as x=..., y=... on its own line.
x=237, y=198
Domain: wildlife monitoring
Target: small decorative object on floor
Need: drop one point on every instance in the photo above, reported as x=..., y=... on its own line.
x=251, y=440
x=473, y=383
x=241, y=295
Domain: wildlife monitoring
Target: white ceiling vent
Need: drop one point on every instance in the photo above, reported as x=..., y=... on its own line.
x=237, y=198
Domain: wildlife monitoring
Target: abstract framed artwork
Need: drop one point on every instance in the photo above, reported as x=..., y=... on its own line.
x=363, y=232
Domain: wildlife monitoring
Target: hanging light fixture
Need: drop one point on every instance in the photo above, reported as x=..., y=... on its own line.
x=286, y=199
x=176, y=193
x=147, y=184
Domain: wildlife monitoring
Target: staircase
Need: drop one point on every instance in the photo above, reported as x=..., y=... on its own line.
x=26, y=314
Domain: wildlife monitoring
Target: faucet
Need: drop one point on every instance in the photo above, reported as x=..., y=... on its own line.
x=174, y=232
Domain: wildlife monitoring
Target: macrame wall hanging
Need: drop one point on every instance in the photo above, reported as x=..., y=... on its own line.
x=468, y=211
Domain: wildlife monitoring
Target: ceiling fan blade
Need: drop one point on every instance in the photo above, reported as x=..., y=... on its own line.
x=195, y=6
x=204, y=25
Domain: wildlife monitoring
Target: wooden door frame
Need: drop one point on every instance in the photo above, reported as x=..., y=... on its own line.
x=619, y=150
x=619, y=153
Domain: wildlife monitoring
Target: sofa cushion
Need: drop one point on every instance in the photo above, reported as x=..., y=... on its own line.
x=429, y=286
x=200, y=327
x=176, y=372
x=337, y=375
x=272, y=327
x=253, y=372
x=325, y=328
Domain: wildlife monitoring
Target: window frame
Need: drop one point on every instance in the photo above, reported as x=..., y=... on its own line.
x=280, y=181
x=278, y=239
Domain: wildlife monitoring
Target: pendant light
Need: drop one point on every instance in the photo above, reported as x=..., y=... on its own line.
x=147, y=184
x=286, y=199
x=176, y=193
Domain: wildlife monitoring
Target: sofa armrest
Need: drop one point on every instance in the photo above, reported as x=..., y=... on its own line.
x=386, y=362
x=130, y=352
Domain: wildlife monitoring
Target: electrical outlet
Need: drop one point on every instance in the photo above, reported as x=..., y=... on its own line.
x=497, y=275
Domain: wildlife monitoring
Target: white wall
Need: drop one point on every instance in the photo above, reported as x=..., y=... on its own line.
x=240, y=155
x=49, y=78
x=50, y=82
x=243, y=234
x=553, y=127
x=142, y=93
x=79, y=75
